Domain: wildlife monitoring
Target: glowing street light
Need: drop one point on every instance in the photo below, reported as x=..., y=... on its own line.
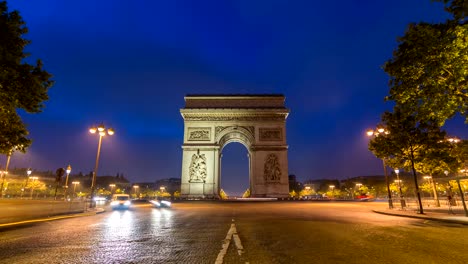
x=332, y=187
x=32, y=187
x=28, y=173
x=75, y=183
x=111, y=186
x=376, y=133
x=102, y=132
x=402, y=201
x=136, y=187
x=66, y=181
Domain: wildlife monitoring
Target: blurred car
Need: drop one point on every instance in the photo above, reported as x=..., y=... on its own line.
x=161, y=203
x=120, y=201
x=364, y=198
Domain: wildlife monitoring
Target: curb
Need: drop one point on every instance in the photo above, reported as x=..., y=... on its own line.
x=39, y=220
x=423, y=217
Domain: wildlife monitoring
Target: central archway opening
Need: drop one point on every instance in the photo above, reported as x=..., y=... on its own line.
x=235, y=169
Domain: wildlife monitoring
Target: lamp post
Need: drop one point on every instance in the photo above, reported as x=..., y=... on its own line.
x=75, y=183
x=28, y=173
x=332, y=187
x=66, y=181
x=101, y=132
x=402, y=200
x=358, y=185
x=32, y=187
x=136, y=187
x=375, y=133
x=112, y=187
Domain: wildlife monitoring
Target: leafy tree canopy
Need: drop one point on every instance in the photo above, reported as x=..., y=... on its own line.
x=429, y=69
x=406, y=139
x=22, y=85
x=458, y=8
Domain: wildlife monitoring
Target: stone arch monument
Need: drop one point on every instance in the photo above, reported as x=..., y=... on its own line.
x=213, y=121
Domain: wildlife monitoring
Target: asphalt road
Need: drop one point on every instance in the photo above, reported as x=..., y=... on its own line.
x=260, y=232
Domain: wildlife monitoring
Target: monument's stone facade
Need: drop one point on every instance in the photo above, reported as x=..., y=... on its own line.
x=213, y=121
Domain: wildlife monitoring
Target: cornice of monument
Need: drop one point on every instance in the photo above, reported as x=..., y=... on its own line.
x=241, y=101
x=234, y=114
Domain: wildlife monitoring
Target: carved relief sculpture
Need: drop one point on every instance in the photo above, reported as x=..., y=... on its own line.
x=198, y=168
x=272, y=169
x=271, y=134
x=199, y=134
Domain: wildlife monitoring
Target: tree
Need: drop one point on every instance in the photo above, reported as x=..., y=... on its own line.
x=22, y=85
x=459, y=8
x=407, y=141
x=429, y=69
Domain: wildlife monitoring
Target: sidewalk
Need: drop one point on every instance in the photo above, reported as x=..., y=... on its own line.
x=441, y=214
x=16, y=212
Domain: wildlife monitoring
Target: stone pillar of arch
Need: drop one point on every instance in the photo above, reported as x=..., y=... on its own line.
x=213, y=121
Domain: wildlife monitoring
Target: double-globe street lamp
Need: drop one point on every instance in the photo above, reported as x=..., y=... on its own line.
x=402, y=200
x=376, y=133
x=101, y=130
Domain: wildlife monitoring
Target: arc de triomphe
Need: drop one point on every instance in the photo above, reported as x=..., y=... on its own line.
x=213, y=121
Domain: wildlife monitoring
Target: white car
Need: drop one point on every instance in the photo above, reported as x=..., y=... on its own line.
x=161, y=204
x=120, y=201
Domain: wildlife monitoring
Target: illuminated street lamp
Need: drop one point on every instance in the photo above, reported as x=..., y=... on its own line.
x=136, y=187
x=32, y=187
x=112, y=187
x=102, y=132
x=66, y=181
x=464, y=171
x=163, y=190
x=75, y=183
x=376, y=133
x=28, y=173
x=402, y=200
x=332, y=187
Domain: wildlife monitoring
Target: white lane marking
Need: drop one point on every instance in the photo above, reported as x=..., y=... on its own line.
x=225, y=245
x=231, y=234
x=238, y=243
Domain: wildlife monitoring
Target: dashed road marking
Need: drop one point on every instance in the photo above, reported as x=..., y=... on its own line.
x=231, y=234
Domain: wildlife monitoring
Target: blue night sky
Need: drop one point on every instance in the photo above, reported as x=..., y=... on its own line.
x=129, y=64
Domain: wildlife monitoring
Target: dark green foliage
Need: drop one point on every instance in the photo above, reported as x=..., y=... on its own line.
x=408, y=139
x=429, y=71
x=22, y=85
x=458, y=8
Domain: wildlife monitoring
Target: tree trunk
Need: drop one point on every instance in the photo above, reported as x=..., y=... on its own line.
x=436, y=195
x=421, y=210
